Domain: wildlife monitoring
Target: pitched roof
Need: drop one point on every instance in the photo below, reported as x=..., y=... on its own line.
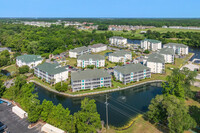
x=51, y=68
x=120, y=53
x=98, y=45
x=167, y=51
x=127, y=69
x=79, y=49
x=91, y=56
x=89, y=74
x=152, y=41
x=117, y=37
x=29, y=58
x=176, y=44
x=155, y=57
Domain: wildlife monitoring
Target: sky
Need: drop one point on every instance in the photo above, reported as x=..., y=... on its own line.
x=101, y=8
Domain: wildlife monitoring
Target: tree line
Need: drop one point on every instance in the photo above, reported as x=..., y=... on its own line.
x=46, y=40
x=169, y=110
x=86, y=119
x=187, y=38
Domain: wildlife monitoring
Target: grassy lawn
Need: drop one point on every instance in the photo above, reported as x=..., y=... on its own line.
x=43, y=83
x=71, y=61
x=11, y=68
x=139, y=126
x=103, y=52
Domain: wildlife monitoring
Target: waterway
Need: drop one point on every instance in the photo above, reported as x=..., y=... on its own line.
x=123, y=104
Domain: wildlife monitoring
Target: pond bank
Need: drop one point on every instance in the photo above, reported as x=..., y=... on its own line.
x=93, y=93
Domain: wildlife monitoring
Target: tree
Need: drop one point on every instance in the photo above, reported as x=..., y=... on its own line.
x=46, y=109
x=146, y=51
x=87, y=119
x=179, y=82
x=23, y=69
x=61, y=87
x=61, y=118
x=171, y=112
x=2, y=88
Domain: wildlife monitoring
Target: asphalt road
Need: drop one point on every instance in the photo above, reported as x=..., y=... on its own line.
x=14, y=123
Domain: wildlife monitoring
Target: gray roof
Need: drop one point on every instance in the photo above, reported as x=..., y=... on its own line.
x=51, y=68
x=118, y=37
x=79, y=49
x=176, y=44
x=29, y=58
x=127, y=69
x=120, y=53
x=152, y=41
x=91, y=56
x=155, y=57
x=98, y=45
x=167, y=51
x=89, y=74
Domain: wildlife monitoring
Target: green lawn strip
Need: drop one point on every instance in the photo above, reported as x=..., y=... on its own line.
x=71, y=61
x=43, y=83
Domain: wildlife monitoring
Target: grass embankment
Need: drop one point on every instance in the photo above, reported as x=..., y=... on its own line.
x=43, y=83
x=140, y=125
x=71, y=61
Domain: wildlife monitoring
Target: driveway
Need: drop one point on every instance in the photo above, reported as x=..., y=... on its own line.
x=14, y=123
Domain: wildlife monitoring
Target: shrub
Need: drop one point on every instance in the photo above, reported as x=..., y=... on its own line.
x=23, y=69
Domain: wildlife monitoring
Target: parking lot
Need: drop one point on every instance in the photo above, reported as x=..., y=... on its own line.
x=14, y=123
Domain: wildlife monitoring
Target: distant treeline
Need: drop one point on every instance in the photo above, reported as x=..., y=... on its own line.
x=188, y=38
x=45, y=40
x=158, y=22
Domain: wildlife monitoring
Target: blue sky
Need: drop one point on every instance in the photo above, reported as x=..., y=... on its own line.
x=101, y=8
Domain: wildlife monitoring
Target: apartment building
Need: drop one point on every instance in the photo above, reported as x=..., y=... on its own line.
x=131, y=72
x=168, y=54
x=90, y=79
x=29, y=60
x=120, y=56
x=118, y=41
x=74, y=53
x=98, y=47
x=91, y=59
x=150, y=44
x=51, y=72
x=180, y=49
x=156, y=62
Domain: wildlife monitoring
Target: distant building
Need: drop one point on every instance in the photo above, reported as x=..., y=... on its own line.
x=98, y=47
x=79, y=51
x=29, y=60
x=118, y=41
x=5, y=48
x=180, y=49
x=168, y=54
x=164, y=26
x=149, y=44
x=91, y=59
x=131, y=72
x=120, y=56
x=52, y=73
x=156, y=62
x=90, y=79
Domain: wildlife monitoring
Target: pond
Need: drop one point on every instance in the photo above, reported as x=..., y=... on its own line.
x=123, y=104
x=5, y=72
x=196, y=52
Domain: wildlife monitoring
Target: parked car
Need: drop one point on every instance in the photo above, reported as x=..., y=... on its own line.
x=2, y=126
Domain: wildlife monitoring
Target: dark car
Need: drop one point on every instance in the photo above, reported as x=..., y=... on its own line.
x=2, y=126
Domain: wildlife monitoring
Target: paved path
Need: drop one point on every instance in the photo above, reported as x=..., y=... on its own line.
x=93, y=93
x=14, y=123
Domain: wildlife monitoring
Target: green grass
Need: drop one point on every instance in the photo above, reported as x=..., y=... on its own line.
x=103, y=52
x=71, y=61
x=194, y=88
x=43, y=83
x=11, y=68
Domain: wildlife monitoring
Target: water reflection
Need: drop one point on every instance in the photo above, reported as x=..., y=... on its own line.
x=123, y=105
